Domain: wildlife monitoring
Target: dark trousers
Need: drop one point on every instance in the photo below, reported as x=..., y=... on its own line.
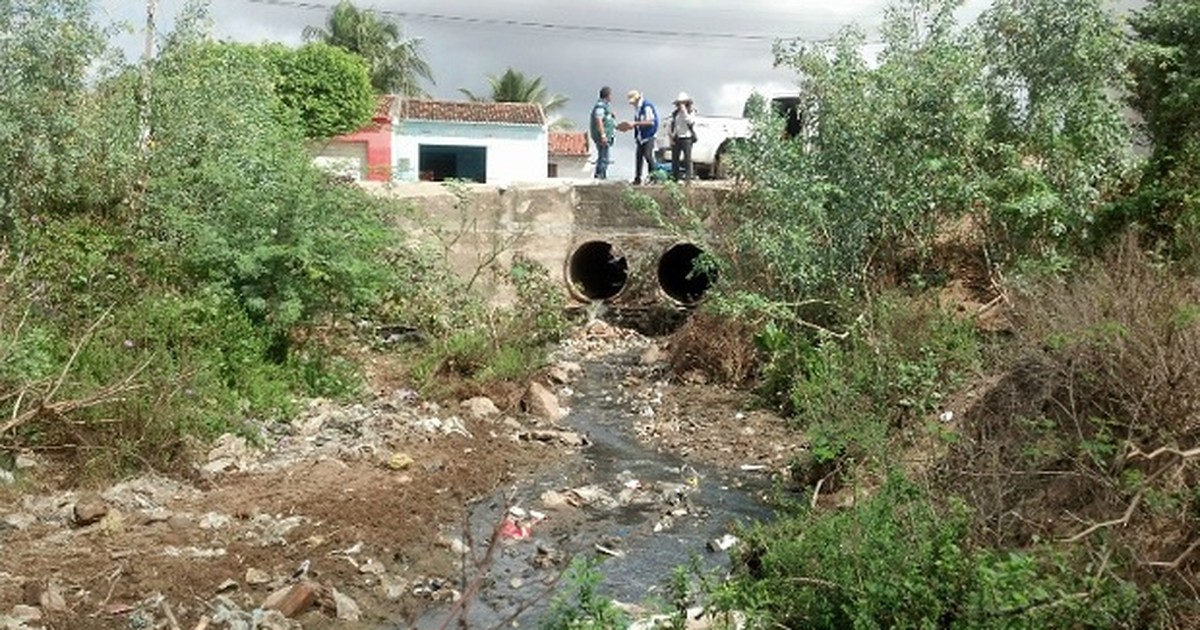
x=645, y=153
x=681, y=158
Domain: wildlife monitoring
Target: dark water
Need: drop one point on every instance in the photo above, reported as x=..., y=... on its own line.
x=688, y=505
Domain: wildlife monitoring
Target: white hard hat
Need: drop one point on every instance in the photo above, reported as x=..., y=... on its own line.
x=683, y=98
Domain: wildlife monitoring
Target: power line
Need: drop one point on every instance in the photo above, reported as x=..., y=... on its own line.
x=534, y=24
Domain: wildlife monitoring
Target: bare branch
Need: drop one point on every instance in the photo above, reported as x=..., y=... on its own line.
x=1137, y=499
x=1137, y=453
x=1174, y=564
x=87, y=335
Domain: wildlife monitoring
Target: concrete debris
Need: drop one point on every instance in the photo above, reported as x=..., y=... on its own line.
x=347, y=609
x=6, y=477
x=590, y=495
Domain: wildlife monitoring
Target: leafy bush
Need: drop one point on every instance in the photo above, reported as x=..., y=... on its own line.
x=150, y=301
x=583, y=608
x=899, y=560
x=1012, y=121
x=328, y=87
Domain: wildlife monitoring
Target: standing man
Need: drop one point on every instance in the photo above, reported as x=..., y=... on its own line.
x=603, y=127
x=683, y=135
x=645, y=126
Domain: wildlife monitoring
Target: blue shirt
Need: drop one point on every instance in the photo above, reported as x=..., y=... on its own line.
x=646, y=111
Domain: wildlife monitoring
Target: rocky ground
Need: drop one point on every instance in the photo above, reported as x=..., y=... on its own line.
x=349, y=517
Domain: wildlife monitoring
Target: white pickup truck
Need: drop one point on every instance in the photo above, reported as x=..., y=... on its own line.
x=715, y=135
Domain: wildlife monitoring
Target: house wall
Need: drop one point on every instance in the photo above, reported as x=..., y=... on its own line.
x=371, y=147
x=573, y=167
x=514, y=152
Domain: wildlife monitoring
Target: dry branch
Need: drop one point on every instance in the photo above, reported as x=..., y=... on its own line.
x=1174, y=564
x=1137, y=499
x=1136, y=453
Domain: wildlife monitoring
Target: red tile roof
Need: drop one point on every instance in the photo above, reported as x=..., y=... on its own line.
x=383, y=108
x=472, y=112
x=568, y=144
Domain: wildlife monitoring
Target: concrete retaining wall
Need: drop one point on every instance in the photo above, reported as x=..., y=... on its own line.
x=548, y=223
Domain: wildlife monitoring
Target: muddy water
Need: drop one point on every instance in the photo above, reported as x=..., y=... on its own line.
x=640, y=513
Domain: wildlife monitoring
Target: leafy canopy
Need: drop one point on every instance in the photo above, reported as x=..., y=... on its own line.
x=396, y=61
x=329, y=88
x=514, y=87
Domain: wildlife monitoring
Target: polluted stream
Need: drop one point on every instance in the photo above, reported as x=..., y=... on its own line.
x=637, y=512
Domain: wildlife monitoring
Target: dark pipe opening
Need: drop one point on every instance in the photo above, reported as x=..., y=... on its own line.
x=597, y=270
x=678, y=276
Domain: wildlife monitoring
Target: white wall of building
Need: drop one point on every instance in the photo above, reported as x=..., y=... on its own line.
x=515, y=153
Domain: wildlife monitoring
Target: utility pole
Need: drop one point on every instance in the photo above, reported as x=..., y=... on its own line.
x=144, y=96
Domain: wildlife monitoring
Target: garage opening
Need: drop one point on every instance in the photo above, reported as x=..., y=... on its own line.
x=439, y=162
x=596, y=270
x=679, y=277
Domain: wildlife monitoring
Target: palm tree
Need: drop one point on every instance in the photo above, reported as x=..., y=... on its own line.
x=397, y=66
x=514, y=87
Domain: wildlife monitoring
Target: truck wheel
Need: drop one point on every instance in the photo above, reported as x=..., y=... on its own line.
x=720, y=167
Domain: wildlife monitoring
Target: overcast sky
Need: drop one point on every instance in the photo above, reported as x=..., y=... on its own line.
x=716, y=50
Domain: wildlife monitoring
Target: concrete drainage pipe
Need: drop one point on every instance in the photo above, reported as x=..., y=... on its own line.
x=596, y=270
x=677, y=276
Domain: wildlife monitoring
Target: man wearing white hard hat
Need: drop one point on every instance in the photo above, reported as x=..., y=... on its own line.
x=682, y=130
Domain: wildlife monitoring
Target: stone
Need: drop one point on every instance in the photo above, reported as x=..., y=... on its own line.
x=294, y=599
x=541, y=402
x=255, y=577
x=347, y=609
x=52, y=600
x=555, y=499
x=394, y=588
x=480, y=407
x=566, y=438
x=19, y=520
x=22, y=612
x=653, y=355
x=213, y=520
x=400, y=461
x=88, y=510
x=178, y=522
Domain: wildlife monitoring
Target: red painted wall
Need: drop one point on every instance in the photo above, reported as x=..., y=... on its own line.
x=378, y=138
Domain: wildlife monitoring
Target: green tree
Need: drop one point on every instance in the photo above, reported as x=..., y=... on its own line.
x=514, y=87
x=329, y=87
x=48, y=47
x=397, y=64
x=1166, y=68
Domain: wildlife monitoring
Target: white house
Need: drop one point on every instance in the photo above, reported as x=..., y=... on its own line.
x=434, y=140
x=568, y=155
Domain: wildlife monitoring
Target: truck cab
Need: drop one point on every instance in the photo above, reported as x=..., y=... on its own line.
x=716, y=135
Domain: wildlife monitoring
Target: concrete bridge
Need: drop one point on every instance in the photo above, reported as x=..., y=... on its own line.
x=592, y=238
